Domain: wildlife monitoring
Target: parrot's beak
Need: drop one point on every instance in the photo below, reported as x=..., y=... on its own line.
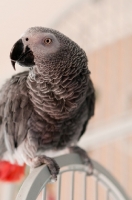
x=24, y=56
x=16, y=52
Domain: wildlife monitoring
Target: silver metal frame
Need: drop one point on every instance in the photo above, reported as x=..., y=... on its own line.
x=39, y=177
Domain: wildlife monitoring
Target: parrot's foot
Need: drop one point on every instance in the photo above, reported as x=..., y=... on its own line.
x=52, y=165
x=85, y=158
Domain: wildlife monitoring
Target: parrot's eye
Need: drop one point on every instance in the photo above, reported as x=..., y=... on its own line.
x=47, y=41
x=27, y=39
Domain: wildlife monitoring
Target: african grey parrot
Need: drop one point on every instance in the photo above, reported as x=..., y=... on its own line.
x=48, y=107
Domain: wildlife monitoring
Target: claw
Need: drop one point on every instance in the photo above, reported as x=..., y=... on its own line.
x=85, y=158
x=90, y=168
x=53, y=168
x=51, y=164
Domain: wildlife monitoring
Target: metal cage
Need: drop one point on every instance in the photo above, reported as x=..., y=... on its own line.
x=38, y=179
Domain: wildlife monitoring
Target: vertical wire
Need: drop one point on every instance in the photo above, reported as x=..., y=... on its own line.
x=125, y=164
x=108, y=196
x=96, y=188
x=72, y=185
x=44, y=193
x=85, y=186
x=59, y=188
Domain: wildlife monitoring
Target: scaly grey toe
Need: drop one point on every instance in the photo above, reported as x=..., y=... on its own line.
x=84, y=156
x=52, y=165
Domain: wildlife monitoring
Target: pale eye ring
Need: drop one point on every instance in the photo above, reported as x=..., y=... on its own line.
x=48, y=41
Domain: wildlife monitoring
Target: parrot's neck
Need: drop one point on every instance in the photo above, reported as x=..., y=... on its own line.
x=53, y=96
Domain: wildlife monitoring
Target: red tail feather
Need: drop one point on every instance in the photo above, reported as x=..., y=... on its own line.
x=11, y=172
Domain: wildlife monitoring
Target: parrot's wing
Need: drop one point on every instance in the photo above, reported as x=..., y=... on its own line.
x=90, y=99
x=15, y=110
x=90, y=103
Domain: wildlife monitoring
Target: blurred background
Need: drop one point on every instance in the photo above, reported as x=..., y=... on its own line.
x=103, y=28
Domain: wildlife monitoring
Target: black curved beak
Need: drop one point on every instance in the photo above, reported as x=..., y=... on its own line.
x=16, y=52
x=23, y=57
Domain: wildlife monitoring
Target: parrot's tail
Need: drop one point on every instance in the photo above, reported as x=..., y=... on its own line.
x=11, y=172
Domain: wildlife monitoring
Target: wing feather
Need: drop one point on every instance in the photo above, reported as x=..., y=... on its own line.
x=90, y=105
x=15, y=110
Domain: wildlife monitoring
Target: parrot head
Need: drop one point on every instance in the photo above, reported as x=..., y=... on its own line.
x=40, y=47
